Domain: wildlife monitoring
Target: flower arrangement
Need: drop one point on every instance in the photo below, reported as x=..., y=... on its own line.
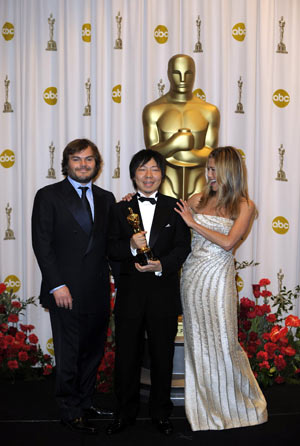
x=105, y=372
x=271, y=339
x=20, y=353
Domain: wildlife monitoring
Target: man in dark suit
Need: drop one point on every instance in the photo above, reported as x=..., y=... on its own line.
x=148, y=297
x=70, y=222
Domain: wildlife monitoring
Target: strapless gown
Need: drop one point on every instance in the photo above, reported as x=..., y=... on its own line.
x=221, y=391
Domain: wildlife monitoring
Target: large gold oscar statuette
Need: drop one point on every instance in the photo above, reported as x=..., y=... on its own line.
x=164, y=122
x=144, y=254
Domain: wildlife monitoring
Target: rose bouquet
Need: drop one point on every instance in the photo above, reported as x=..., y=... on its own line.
x=271, y=339
x=20, y=354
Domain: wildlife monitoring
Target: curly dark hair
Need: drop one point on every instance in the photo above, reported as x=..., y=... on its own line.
x=78, y=145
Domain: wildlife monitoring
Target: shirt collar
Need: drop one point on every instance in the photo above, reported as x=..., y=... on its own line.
x=76, y=185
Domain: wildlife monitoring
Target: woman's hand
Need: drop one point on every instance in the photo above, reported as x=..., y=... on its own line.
x=128, y=197
x=185, y=212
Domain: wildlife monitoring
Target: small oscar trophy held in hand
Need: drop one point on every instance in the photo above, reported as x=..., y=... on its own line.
x=144, y=254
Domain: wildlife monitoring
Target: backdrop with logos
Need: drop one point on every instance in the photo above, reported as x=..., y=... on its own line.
x=86, y=68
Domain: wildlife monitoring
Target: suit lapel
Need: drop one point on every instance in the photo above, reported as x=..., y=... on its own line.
x=160, y=217
x=72, y=201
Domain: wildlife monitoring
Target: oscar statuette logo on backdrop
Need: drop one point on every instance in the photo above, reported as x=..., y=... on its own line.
x=239, y=105
x=281, y=175
x=118, y=42
x=9, y=233
x=198, y=44
x=8, y=31
x=281, y=48
x=7, y=108
x=51, y=44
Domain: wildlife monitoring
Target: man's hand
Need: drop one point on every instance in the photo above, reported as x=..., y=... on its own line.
x=154, y=266
x=138, y=240
x=63, y=298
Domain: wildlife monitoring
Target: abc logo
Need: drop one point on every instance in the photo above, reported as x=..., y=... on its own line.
x=7, y=158
x=242, y=154
x=281, y=98
x=12, y=283
x=239, y=283
x=116, y=94
x=161, y=34
x=200, y=94
x=49, y=346
x=50, y=95
x=280, y=225
x=8, y=31
x=86, y=32
x=239, y=32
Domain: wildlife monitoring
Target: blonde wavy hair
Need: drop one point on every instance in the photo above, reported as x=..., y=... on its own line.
x=231, y=176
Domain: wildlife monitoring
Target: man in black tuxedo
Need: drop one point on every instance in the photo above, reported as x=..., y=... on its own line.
x=70, y=222
x=148, y=297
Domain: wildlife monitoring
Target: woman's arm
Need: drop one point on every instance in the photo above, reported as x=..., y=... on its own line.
x=236, y=233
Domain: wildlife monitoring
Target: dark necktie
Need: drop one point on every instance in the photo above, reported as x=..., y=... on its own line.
x=151, y=200
x=88, y=219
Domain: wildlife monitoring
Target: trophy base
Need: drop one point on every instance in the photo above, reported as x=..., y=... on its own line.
x=281, y=48
x=239, y=108
x=51, y=173
x=198, y=48
x=116, y=173
x=7, y=108
x=142, y=257
x=281, y=176
x=118, y=44
x=9, y=235
x=51, y=45
x=87, y=110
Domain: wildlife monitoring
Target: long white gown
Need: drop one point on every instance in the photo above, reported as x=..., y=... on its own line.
x=221, y=391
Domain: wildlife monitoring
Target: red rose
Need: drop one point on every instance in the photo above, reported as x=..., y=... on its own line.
x=256, y=290
x=13, y=318
x=278, y=332
x=279, y=362
x=271, y=318
x=47, y=369
x=279, y=380
x=264, y=282
x=251, y=314
x=266, y=336
x=2, y=309
x=246, y=325
x=16, y=304
x=262, y=356
x=2, y=287
x=242, y=336
x=109, y=332
x=4, y=327
x=289, y=351
x=23, y=327
x=23, y=356
x=9, y=339
x=264, y=365
x=47, y=357
x=12, y=365
x=292, y=321
x=33, y=339
x=270, y=348
x=253, y=335
x=266, y=293
x=247, y=303
x=30, y=327
x=20, y=336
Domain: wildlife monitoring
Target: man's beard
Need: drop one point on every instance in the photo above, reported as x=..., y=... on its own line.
x=90, y=175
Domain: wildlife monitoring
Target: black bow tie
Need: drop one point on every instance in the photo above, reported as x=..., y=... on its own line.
x=151, y=200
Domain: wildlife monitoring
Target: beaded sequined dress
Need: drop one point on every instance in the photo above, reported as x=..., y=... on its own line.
x=220, y=389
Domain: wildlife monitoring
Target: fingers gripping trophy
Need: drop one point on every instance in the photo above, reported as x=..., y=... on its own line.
x=183, y=128
x=144, y=254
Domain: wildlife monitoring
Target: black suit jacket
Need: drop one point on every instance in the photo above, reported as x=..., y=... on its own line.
x=170, y=243
x=65, y=253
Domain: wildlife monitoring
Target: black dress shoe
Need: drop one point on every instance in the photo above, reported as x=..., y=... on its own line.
x=163, y=425
x=118, y=425
x=80, y=425
x=95, y=412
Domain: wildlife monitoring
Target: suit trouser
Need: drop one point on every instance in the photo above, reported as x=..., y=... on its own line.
x=161, y=332
x=78, y=345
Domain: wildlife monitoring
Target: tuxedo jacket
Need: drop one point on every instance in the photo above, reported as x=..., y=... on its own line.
x=65, y=253
x=170, y=243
